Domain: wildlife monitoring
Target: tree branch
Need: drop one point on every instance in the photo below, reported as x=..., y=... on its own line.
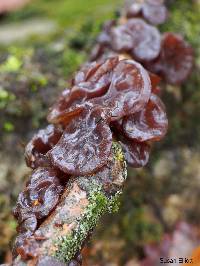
x=84, y=201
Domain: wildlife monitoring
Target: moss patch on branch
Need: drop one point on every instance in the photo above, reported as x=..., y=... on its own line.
x=99, y=204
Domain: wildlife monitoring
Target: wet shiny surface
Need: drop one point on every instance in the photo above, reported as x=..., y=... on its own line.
x=175, y=61
x=153, y=11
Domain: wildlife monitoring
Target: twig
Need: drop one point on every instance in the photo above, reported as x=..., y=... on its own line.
x=83, y=203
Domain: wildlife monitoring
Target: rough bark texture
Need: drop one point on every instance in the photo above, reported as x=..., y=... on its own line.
x=83, y=202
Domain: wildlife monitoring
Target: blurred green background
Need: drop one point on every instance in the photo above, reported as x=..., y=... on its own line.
x=41, y=46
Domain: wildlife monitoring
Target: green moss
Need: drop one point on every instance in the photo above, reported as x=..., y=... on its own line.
x=12, y=64
x=119, y=157
x=3, y=94
x=71, y=60
x=68, y=13
x=8, y=126
x=117, y=151
x=40, y=79
x=5, y=97
x=83, y=38
x=67, y=246
x=99, y=204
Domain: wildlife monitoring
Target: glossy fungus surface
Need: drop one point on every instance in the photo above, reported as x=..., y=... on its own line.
x=27, y=248
x=39, y=197
x=153, y=11
x=38, y=146
x=85, y=144
x=137, y=38
x=108, y=100
x=93, y=80
x=113, y=99
x=136, y=153
x=149, y=124
x=104, y=37
x=175, y=61
x=129, y=90
x=34, y=203
x=113, y=89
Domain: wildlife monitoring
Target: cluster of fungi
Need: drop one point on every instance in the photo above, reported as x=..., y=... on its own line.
x=114, y=97
x=167, y=55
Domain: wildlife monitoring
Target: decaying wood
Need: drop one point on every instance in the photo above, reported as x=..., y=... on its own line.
x=83, y=202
